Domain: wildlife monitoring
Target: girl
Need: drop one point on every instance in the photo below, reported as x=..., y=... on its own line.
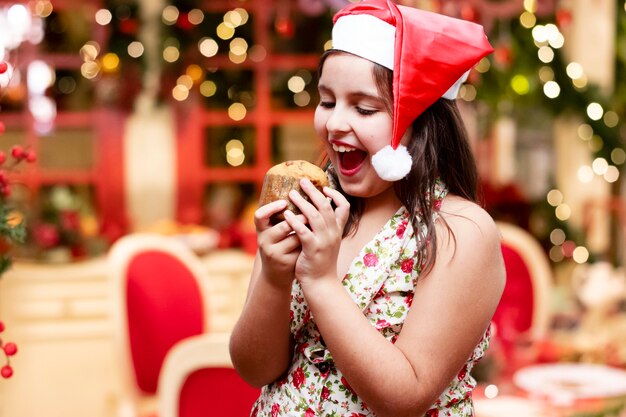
x=378, y=304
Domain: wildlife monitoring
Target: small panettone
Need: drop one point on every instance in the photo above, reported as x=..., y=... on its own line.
x=284, y=177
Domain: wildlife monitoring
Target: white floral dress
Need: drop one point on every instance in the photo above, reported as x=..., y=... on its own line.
x=381, y=282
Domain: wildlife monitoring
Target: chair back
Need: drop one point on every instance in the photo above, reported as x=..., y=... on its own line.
x=524, y=310
x=198, y=380
x=158, y=301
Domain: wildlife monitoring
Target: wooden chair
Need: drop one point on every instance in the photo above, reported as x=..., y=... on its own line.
x=158, y=300
x=198, y=380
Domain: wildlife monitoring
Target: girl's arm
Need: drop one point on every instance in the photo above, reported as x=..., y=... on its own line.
x=260, y=344
x=451, y=309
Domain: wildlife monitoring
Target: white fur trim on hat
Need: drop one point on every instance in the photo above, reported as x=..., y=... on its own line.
x=365, y=36
x=392, y=164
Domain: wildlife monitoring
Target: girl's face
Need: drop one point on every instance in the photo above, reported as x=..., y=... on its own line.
x=353, y=123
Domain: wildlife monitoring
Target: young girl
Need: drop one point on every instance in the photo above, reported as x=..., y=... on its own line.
x=377, y=300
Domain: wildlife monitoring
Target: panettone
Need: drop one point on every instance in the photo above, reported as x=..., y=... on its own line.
x=284, y=177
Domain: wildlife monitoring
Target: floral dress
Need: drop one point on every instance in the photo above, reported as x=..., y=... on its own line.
x=381, y=281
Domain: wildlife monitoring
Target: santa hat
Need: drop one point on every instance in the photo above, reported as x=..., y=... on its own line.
x=430, y=55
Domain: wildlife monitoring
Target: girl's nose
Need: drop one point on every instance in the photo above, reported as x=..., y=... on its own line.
x=337, y=122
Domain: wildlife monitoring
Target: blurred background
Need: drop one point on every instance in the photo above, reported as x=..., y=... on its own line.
x=121, y=118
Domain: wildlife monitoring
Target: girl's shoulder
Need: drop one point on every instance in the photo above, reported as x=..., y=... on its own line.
x=469, y=222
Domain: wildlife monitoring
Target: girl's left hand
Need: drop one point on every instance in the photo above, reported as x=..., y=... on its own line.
x=322, y=238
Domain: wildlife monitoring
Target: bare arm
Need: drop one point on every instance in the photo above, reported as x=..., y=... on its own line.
x=260, y=344
x=451, y=309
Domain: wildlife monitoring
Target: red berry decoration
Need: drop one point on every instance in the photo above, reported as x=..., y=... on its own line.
x=10, y=349
x=3, y=157
x=3, y=67
x=6, y=371
x=17, y=152
x=2, y=128
x=30, y=156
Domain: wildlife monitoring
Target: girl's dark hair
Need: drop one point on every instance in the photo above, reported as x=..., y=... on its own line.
x=440, y=149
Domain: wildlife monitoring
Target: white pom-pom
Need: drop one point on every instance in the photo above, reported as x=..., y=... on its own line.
x=392, y=164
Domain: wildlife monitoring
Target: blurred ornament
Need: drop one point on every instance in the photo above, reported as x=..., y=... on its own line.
x=503, y=55
x=468, y=12
x=563, y=17
x=284, y=26
x=183, y=22
x=129, y=26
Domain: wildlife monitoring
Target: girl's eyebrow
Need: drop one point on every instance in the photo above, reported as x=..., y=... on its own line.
x=357, y=94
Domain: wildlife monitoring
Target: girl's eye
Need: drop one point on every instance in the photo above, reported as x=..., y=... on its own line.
x=365, y=112
x=327, y=104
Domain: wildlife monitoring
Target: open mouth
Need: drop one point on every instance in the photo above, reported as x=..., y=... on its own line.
x=350, y=159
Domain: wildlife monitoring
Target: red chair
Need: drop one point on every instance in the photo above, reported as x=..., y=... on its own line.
x=198, y=380
x=158, y=300
x=523, y=315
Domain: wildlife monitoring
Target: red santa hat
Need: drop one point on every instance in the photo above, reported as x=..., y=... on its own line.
x=430, y=55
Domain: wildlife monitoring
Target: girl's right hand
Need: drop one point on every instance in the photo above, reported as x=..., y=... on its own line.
x=279, y=247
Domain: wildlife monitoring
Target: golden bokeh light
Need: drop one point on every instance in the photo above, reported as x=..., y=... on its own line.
x=585, y=174
x=554, y=197
x=195, y=16
x=468, y=92
x=302, y=99
x=556, y=254
x=43, y=9
x=574, y=70
x=89, y=51
x=528, y=19
x=612, y=174
x=237, y=59
x=110, y=62
x=171, y=54
x=208, y=88
x=618, y=156
x=180, y=92
x=611, y=119
x=563, y=212
x=234, y=144
x=595, y=111
x=185, y=80
x=90, y=70
x=103, y=17
x=239, y=46
x=585, y=131
x=557, y=237
x=135, y=49
x=208, y=47
x=195, y=72
x=545, y=54
x=225, y=31
x=295, y=84
x=237, y=111
x=580, y=255
x=483, y=65
x=530, y=6
x=599, y=166
x=170, y=15
x=546, y=74
x=551, y=89
x=581, y=82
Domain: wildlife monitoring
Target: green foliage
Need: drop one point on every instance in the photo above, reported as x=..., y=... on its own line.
x=516, y=42
x=11, y=232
